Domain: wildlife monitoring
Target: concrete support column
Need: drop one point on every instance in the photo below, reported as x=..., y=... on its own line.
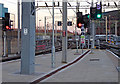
x=18, y=27
x=1, y=42
x=64, y=38
x=53, y=40
x=28, y=37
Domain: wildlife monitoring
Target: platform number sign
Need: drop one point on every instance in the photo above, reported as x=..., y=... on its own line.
x=33, y=8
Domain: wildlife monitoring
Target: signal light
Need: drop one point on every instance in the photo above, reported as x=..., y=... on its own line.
x=7, y=27
x=88, y=16
x=99, y=16
x=86, y=20
x=79, y=25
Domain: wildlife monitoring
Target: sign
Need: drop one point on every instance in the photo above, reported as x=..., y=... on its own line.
x=82, y=40
x=64, y=33
x=98, y=6
x=25, y=31
x=82, y=36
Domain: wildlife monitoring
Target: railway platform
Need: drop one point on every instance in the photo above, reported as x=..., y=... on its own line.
x=11, y=69
x=99, y=66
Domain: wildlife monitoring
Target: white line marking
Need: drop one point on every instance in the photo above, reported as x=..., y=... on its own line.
x=65, y=68
x=11, y=61
x=17, y=60
x=113, y=53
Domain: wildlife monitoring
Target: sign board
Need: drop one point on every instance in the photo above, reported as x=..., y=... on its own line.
x=25, y=31
x=77, y=38
x=64, y=33
x=82, y=40
x=82, y=36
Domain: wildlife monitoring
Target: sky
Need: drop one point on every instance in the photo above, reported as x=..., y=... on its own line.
x=41, y=13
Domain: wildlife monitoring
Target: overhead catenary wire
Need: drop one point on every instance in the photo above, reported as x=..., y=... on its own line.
x=62, y=12
x=71, y=7
x=48, y=9
x=10, y=2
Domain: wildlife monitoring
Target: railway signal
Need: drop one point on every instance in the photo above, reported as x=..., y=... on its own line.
x=93, y=12
x=86, y=20
x=7, y=22
x=3, y=24
x=79, y=19
x=96, y=12
x=99, y=11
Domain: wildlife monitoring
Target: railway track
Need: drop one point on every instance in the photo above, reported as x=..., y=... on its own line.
x=43, y=50
x=115, y=49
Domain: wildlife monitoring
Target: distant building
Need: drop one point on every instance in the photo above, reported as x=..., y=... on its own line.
x=3, y=10
x=101, y=26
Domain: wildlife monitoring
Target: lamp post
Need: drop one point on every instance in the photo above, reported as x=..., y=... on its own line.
x=45, y=25
x=106, y=29
x=109, y=29
x=39, y=26
x=18, y=26
x=53, y=39
x=55, y=31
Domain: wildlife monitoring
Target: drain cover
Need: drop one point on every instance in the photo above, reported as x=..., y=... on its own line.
x=94, y=59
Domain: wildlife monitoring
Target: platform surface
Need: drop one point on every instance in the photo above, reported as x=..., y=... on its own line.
x=96, y=67
x=11, y=70
x=100, y=66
